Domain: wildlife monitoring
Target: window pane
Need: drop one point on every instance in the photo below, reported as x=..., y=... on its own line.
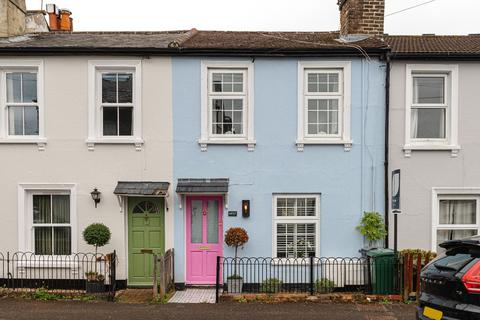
x=15, y=121
x=227, y=82
x=445, y=235
x=322, y=82
x=61, y=208
x=296, y=240
x=212, y=221
x=458, y=212
x=29, y=81
x=428, y=123
x=224, y=119
x=62, y=240
x=109, y=88
x=125, y=87
x=14, y=87
x=322, y=116
x=43, y=240
x=41, y=209
x=31, y=121
x=110, y=121
x=125, y=121
x=428, y=90
x=197, y=222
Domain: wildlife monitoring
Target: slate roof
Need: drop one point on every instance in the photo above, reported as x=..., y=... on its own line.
x=184, y=42
x=141, y=188
x=195, y=185
x=434, y=45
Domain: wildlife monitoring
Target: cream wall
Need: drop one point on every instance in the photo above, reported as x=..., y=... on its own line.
x=66, y=158
x=426, y=170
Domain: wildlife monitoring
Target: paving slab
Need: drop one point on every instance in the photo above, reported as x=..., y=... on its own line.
x=193, y=295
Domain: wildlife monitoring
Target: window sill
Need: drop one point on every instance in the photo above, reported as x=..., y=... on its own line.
x=347, y=144
x=40, y=142
x=228, y=141
x=454, y=149
x=137, y=142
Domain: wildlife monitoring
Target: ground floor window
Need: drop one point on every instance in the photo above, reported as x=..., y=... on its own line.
x=457, y=218
x=296, y=225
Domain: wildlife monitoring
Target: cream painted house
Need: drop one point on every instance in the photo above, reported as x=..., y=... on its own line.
x=79, y=112
x=433, y=137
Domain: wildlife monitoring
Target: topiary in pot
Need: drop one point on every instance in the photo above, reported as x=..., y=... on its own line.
x=372, y=227
x=235, y=237
x=98, y=235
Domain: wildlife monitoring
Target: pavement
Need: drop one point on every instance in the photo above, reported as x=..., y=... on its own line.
x=19, y=309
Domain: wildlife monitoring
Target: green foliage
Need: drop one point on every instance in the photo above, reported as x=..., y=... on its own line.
x=324, y=285
x=234, y=277
x=97, y=234
x=372, y=226
x=44, y=295
x=271, y=285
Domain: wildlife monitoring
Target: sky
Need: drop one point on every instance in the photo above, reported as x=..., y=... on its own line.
x=437, y=16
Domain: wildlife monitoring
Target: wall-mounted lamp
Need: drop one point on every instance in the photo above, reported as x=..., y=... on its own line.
x=96, y=195
x=245, y=208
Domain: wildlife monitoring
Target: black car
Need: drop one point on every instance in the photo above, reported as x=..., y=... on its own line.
x=451, y=283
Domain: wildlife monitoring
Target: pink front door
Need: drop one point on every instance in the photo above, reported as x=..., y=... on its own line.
x=204, y=236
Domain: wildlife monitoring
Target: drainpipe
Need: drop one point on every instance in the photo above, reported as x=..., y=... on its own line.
x=387, y=129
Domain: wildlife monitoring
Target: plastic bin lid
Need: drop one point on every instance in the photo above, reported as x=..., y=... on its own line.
x=380, y=252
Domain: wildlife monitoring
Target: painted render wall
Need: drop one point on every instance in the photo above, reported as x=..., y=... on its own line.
x=426, y=170
x=349, y=182
x=67, y=159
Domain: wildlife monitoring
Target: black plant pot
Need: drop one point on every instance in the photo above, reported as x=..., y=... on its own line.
x=95, y=286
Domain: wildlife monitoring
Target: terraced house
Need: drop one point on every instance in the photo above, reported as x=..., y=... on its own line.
x=433, y=137
x=188, y=133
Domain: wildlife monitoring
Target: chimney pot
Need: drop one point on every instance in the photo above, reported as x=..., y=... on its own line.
x=65, y=20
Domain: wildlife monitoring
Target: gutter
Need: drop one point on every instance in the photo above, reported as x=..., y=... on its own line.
x=187, y=52
x=436, y=56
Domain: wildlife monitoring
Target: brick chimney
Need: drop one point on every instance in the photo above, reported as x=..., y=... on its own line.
x=361, y=17
x=59, y=19
x=12, y=18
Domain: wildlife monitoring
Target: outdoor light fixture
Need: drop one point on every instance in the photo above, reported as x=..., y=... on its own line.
x=96, y=196
x=246, y=208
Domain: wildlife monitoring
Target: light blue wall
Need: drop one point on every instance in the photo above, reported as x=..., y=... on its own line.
x=349, y=182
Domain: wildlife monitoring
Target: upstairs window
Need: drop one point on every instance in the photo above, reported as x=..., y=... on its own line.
x=227, y=103
x=324, y=103
x=431, y=108
x=117, y=104
x=22, y=104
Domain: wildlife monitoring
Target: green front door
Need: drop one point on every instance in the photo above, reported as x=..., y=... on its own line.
x=145, y=236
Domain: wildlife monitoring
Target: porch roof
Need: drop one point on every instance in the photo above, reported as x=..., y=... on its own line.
x=202, y=185
x=141, y=188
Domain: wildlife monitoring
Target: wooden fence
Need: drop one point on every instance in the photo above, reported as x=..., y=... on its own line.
x=412, y=262
x=163, y=273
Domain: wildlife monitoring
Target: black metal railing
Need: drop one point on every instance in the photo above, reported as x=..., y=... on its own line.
x=312, y=275
x=76, y=274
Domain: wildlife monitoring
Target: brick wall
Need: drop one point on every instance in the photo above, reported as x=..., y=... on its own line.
x=361, y=16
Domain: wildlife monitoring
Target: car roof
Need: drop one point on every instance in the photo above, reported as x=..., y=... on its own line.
x=466, y=242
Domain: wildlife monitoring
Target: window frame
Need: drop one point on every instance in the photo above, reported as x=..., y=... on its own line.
x=439, y=194
x=95, y=115
x=294, y=220
x=27, y=66
x=26, y=191
x=450, y=74
x=344, y=108
x=207, y=95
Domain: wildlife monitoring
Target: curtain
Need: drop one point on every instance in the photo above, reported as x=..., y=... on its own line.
x=458, y=211
x=62, y=240
x=61, y=208
x=414, y=123
x=43, y=240
x=41, y=209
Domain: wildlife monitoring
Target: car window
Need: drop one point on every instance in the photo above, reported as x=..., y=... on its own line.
x=453, y=261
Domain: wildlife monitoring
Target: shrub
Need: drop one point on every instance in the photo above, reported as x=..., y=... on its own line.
x=97, y=234
x=324, y=285
x=236, y=237
x=372, y=227
x=271, y=285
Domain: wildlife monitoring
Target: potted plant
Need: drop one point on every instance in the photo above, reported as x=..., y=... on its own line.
x=372, y=227
x=98, y=235
x=235, y=237
x=271, y=285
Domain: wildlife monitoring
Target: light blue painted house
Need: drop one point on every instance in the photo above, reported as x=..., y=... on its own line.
x=281, y=134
